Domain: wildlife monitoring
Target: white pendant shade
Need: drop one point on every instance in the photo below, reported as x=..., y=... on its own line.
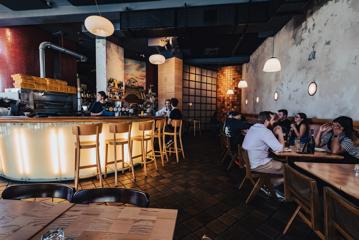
x=99, y=26
x=242, y=84
x=157, y=59
x=272, y=65
x=230, y=92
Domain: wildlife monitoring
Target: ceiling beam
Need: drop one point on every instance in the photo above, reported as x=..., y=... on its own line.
x=218, y=61
x=63, y=11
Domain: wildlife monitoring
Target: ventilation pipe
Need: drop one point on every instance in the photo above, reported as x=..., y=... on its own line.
x=45, y=45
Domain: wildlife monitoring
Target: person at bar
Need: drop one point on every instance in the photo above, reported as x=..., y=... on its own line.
x=283, y=121
x=98, y=107
x=299, y=129
x=175, y=112
x=165, y=111
x=259, y=139
x=337, y=137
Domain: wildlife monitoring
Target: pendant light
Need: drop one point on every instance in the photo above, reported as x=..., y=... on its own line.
x=230, y=91
x=157, y=59
x=273, y=63
x=98, y=25
x=243, y=83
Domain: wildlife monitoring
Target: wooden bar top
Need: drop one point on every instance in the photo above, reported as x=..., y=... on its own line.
x=316, y=155
x=23, y=119
x=340, y=176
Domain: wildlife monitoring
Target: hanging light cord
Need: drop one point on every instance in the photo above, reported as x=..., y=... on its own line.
x=273, y=46
x=98, y=9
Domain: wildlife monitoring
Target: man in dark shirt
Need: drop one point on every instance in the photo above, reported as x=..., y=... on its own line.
x=233, y=127
x=283, y=121
x=175, y=112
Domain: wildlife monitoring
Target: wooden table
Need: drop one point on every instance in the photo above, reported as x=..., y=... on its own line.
x=340, y=176
x=22, y=220
x=115, y=222
x=29, y=220
x=316, y=155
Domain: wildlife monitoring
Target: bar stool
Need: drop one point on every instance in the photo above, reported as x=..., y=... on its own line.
x=177, y=133
x=160, y=126
x=198, y=124
x=147, y=130
x=87, y=130
x=115, y=129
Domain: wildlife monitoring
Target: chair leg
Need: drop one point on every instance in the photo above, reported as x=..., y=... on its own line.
x=161, y=151
x=131, y=161
x=77, y=168
x=153, y=153
x=242, y=183
x=99, y=165
x=233, y=158
x=255, y=189
x=176, y=148
x=291, y=220
x=182, y=150
x=123, y=157
x=225, y=155
x=115, y=162
x=106, y=160
x=144, y=157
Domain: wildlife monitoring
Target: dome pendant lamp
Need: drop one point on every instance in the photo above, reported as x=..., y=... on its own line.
x=98, y=25
x=273, y=63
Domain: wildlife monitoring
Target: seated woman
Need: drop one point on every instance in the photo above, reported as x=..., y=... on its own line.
x=97, y=108
x=299, y=129
x=337, y=137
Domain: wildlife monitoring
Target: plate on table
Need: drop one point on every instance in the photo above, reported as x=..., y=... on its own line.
x=320, y=149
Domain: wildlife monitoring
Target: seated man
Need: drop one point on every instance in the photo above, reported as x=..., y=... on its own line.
x=175, y=114
x=233, y=127
x=283, y=121
x=165, y=111
x=259, y=139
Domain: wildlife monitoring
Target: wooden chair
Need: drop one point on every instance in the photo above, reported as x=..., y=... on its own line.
x=87, y=130
x=38, y=190
x=147, y=129
x=160, y=126
x=258, y=179
x=112, y=195
x=124, y=129
x=303, y=191
x=228, y=153
x=341, y=217
x=177, y=136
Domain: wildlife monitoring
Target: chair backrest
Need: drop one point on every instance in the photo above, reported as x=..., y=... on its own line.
x=146, y=125
x=160, y=124
x=341, y=216
x=87, y=129
x=124, y=127
x=303, y=190
x=112, y=195
x=177, y=125
x=38, y=190
x=247, y=163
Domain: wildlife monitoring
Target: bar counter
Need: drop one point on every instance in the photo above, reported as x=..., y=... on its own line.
x=42, y=149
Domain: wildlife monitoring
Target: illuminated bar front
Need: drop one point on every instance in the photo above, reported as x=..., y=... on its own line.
x=44, y=150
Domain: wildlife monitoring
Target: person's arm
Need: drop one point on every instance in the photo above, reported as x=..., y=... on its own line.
x=322, y=137
x=335, y=146
x=275, y=144
x=294, y=129
x=302, y=130
x=161, y=112
x=96, y=114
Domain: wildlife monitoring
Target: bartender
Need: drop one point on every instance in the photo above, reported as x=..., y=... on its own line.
x=98, y=107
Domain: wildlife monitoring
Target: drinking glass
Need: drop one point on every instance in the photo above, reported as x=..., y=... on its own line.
x=297, y=145
x=356, y=170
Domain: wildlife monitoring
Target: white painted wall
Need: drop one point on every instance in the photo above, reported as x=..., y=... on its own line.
x=332, y=33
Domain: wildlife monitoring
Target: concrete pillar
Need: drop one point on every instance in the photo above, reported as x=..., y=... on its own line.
x=170, y=80
x=101, y=82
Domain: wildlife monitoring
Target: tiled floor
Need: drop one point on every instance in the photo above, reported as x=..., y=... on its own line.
x=208, y=199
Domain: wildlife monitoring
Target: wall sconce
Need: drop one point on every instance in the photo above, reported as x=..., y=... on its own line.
x=246, y=101
x=276, y=96
x=312, y=88
x=257, y=99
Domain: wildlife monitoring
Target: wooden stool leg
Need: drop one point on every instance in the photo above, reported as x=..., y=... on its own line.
x=161, y=151
x=144, y=157
x=242, y=183
x=115, y=162
x=77, y=168
x=106, y=159
x=255, y=189
x=176, y=148
x=131, y=161
x=153, y=152
x=182, y=150
x=123, y=157
x=99, y=165
x=164, y=146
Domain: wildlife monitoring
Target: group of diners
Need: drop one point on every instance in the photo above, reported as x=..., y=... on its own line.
x=272, y=131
